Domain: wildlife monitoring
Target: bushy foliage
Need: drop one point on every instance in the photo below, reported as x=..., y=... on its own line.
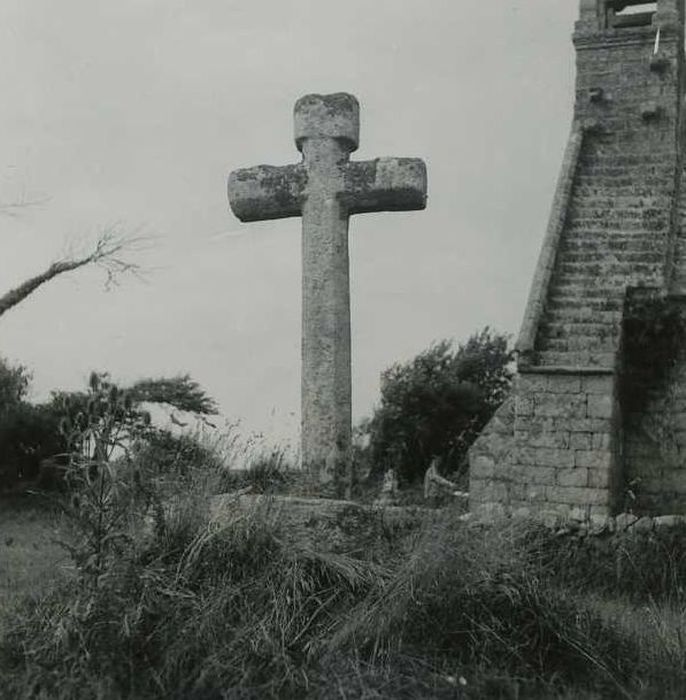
x=164, y=452
x=436, y=404
x=64, y=425
x=28, y=433
x=182, y=393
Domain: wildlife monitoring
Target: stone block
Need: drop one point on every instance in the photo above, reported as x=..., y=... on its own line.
x=479, y=489
x=528, y=493
x=540, y=475
x=581, y=441
x=572, y=477
x=578, y=514
x=573, y=495
x=599, y=478
x=489, y=512
x=601, y=441
x=589, y=425
x=525, y=425
x=600, y=406
x=558, y=458
x=497, y=491
x=482, y=467
x=555, y=439
x=600, y=523
x=552, y=518
x=624, y=520
x=598, y=384
x=560, y=405
x=564, y=384
x=532, y=383
x=644, y=524
x=521, y=512
x=593, y=460
x=668, y=521
x=524, y=406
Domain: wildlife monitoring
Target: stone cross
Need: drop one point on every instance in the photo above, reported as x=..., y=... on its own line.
x=325, y=189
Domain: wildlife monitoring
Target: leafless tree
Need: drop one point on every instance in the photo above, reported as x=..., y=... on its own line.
x=108, y=252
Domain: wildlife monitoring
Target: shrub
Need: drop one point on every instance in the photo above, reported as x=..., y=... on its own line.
x=436, y=404
x=164, y=453
x=30, y=434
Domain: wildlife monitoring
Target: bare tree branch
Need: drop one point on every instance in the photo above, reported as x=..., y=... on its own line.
x=108, y=253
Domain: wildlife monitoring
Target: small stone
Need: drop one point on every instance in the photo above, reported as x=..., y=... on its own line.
x=522, y=513
x=598, y=524
x=667, y=521
x=624, y=520
x=577, y=514
x=551, y=519
x=644, y=524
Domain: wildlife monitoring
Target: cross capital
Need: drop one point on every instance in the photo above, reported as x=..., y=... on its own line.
x=334, y=116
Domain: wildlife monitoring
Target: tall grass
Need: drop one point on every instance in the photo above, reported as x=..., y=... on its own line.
x=197, y=610
x=190, y=608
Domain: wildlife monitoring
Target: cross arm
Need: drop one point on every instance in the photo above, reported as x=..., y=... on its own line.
x=267, y=192
x=386, y=184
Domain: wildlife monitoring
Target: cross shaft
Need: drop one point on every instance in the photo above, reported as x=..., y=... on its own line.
x=325, y=189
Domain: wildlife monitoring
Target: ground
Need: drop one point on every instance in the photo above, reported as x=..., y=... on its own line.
x=31, y=560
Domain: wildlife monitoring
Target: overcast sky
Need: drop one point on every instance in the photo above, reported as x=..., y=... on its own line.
x=135, y=111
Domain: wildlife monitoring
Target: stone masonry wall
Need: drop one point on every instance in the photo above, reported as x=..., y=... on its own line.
x=566, y=448
x=550, y=448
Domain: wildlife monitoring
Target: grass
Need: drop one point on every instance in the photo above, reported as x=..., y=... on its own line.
x=193, y=609
x=31, y=561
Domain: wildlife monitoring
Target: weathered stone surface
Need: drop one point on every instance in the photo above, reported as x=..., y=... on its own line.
x=325, y=189
x=625, y=520
x=668, y=521
x=644, y=524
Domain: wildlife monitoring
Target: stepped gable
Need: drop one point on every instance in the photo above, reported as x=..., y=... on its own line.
x=617, y=231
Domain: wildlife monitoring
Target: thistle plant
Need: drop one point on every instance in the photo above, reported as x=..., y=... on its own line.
x=108, y=495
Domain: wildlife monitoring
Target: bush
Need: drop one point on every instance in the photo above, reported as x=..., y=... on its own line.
x=30, y=434
x=436, y=404
x=164, y=453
